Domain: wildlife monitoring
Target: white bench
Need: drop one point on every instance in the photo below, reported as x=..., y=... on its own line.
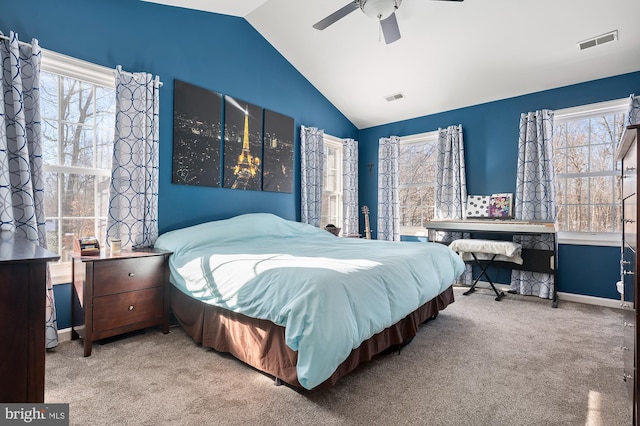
x=477, y=250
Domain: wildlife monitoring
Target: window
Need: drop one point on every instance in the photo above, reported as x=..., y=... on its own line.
x=587, y=187
x=332, y=182
x=78, y=119
x=417, y=164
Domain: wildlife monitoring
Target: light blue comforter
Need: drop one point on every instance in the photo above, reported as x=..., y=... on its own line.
x=329, y=293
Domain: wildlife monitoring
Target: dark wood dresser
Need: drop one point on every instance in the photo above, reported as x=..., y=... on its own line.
x=22, y=318
x=628, y=154
x=116, y=294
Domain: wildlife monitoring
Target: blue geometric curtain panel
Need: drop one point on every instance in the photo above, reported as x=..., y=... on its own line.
x=21, y=176
x=388, y=189
x=535, y=195
x=312, y=169
x=133, y=197
x=633, y=114
x=451, y=180
x=350, y=213
x=451, y=186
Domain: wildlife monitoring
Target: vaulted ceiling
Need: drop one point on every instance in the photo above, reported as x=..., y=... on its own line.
x=450, y=55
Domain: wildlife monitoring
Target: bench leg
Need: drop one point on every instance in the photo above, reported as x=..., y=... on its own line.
x=499, y=294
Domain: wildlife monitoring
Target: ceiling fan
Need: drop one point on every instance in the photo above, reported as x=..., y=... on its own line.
x=383, y=10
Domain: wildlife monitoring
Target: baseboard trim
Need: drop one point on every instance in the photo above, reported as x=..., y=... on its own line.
x=569, y=297
x=590, y=300
x=64, y=335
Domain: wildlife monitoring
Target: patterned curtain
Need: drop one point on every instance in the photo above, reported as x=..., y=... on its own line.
x=388, y=189
x=451, y=185
x=312, y=168
x=350, y=213
x=633, y=114
x=535, y=195
x=133, y=198
x=451, y=180
x=21, y=176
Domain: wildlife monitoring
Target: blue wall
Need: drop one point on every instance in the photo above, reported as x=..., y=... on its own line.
x=218, y=52
x=491, y=150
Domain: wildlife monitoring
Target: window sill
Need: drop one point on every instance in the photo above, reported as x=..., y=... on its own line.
x=414, y=231
x=60, y=273
x=606, y=239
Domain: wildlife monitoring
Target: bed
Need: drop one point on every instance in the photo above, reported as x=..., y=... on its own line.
x=298, y=303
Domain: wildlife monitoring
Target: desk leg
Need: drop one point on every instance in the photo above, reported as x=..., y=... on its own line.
x=554, y=304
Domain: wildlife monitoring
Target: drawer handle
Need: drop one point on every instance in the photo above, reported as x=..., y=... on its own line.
x=131, y=307
x=625, y=262
x=131, y=274
x=628, y=324
x=625, y=272
x=629, y=169
x=626, y=377
x=628, y=221
x=624, y=348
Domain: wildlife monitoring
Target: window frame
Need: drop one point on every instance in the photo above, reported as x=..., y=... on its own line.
x=616, y=106
x=336, y=143
x=96, y=75
x=418, y=138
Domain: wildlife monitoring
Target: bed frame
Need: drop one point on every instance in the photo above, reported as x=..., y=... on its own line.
x=261, y=343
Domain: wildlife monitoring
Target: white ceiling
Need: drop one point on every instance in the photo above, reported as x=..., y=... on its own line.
x=451, y=54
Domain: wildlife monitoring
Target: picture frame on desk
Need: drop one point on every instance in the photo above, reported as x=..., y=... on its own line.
x=477, y=206
x=494, y=206
x=501, y=206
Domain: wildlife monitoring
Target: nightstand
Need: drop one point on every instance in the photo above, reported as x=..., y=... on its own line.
x=116, y=294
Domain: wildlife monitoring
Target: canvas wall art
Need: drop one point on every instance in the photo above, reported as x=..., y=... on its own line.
x=242, y=145
x=277, y=166
x=197, y=130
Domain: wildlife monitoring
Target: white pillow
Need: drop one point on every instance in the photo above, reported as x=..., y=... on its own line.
x=505, y=248
x=505, y=251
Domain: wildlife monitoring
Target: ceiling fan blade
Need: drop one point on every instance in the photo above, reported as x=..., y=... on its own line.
x=450, y=0
x=335, y=16
x=390, y=29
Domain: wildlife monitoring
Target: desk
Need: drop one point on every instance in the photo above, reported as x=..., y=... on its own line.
x=534, y=260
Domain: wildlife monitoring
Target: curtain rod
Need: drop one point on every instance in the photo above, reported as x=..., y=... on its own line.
x=23, y=43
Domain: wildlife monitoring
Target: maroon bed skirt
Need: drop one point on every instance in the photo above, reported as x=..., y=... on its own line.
x=261, y=343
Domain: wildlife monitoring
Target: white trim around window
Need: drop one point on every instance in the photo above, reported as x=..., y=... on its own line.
x=78, y=69
x=67, y=66
x=584, y=111
x=606, y=239
x=417, y=231
x=616, y=106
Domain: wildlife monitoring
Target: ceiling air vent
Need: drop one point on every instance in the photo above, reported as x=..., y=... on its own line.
x=597, y=41
x=394, y=97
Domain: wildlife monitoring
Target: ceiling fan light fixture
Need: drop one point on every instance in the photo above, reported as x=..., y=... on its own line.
x=379, y=9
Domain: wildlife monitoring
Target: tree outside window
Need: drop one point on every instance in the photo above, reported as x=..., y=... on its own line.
x=417, y=165
x=332, y=183
x=587, y=187
x=78, y=121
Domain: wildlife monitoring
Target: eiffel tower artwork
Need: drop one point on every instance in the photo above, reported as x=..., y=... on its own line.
x=243, y=145
x=248, y=165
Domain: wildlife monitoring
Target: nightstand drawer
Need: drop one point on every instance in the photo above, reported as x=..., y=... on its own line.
x=123, y=275
x=124, y=309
